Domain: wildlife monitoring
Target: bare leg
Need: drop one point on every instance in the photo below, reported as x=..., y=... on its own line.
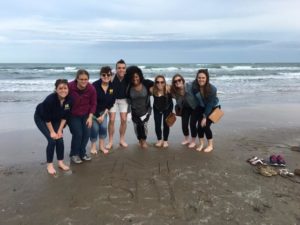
x=210, y=146
x=201, y=144
x=62, y=165
x=123, y=127
x=111, y=129
x=93, y=148
x=51, y=169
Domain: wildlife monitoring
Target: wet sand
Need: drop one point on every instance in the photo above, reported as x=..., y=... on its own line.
x=173, y=186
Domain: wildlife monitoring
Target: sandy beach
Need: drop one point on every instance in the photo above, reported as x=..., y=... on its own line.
x=173, y=186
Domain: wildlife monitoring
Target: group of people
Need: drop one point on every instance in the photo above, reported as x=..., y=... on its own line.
x=90, y=111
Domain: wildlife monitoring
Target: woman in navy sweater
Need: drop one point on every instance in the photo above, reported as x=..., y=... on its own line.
x=105, y=100
x=50, y=117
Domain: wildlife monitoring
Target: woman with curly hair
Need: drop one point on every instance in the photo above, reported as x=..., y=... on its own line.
x=138, y=96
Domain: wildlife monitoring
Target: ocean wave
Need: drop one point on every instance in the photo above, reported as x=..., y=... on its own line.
x=267, y=68
x=259, y=77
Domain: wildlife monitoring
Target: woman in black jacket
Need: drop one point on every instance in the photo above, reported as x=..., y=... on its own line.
x=50, y=117
x=105, y=100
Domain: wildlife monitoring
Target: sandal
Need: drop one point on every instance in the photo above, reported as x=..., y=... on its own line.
x=263, y=171
x=286, y=173
x=259, y=162
x=273, y=160
x=271, y=170
x=253, y=158
x=281, y=161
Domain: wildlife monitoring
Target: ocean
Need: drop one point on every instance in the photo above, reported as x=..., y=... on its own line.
x=32, y=82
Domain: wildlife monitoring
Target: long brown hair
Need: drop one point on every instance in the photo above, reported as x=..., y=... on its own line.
x=206, y=88
x=174, y=90
x=155, y=88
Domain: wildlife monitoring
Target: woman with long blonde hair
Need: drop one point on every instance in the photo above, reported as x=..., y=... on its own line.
x=162, y=107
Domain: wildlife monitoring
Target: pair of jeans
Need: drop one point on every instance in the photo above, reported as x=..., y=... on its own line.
x=99, y=129
x=158, y=116
x=189, y=117
x=52, y=143
x=80, y=135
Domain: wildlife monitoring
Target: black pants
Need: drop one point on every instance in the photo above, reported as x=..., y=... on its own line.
x=189, y=117
x=158, y=116
x=140, y=127
x=204, y=130
x=52, y=144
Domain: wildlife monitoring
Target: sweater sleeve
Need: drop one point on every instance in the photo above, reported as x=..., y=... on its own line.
x=93, y=100
x=47, y=112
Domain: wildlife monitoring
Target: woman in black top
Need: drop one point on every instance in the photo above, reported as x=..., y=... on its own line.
x=50, y=117
x=162, y=107
x=138, y=96
x=105, y=100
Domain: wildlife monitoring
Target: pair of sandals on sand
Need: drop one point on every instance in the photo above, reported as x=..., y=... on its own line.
x=267, y=170
x=273, y=161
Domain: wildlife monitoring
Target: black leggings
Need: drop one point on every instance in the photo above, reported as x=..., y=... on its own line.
x=189, y=117
x=140, y=127
x=158, y=116
x=57, y=144
x=204, y=130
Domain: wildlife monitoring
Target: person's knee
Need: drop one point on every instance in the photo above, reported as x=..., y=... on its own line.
x=123, y=117
x=60, y=141
x=51, y=142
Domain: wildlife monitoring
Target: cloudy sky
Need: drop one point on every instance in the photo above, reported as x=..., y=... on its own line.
x=156, y=31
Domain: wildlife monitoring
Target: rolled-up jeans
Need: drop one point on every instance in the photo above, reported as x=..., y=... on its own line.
x=80, y=135
x=99, y=129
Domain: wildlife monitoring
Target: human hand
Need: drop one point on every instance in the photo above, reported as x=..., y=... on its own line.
x=100, y=119
x=203, y=122
x=89, y=122
x=53, y=135
x=59, y=134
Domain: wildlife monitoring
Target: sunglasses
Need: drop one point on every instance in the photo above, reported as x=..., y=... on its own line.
x=105, y=74
x=177, y=81
x=159, y=82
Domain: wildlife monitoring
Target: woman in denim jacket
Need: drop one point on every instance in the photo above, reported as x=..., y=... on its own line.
x=206, y=95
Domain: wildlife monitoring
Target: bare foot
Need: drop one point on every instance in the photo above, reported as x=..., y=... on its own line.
x=63, y=166
x=123, y=144
x=109, y=146
x=143, y=144
x=165, y=144
x=200, y=148
x=104, y=151
x=51, y=169
x=158, y=143
x=192, y=145
x=208, y=149
x=94, y=151
x=185, y=142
